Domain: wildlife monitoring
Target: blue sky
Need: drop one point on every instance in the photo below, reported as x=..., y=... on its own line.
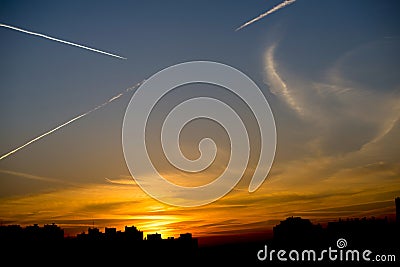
x=336, y=114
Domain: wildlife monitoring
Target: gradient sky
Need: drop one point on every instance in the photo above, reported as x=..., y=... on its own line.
x=329, y=70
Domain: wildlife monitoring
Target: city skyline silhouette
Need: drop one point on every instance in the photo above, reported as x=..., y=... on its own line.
x=294, y=232
x=109, y=161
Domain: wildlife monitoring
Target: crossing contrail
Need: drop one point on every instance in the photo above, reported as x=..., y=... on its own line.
x=71, y=121
x=276, y=8
x=59, y=40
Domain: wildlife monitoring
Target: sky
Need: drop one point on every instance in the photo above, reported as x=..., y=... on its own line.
x=328, y=69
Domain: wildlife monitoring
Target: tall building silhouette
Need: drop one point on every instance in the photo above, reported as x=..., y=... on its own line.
x=296, y=231
x=397, y=201
x=155, y=236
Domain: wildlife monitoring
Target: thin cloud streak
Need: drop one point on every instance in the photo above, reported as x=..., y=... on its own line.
x=70, y=121
x=59, y=40
x=109, y=204
x=277, y=85
x=121, y=181
x=384, y=131
x=274, y=9
x=38, y=178
x=321, y=103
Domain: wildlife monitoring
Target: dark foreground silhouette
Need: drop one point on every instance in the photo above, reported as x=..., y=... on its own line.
x=35, y=244
x=47, y=245
x=295, y=241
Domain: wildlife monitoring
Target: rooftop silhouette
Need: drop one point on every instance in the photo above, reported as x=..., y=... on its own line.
x=361, y=232
x=94, y=246
x=114, y=245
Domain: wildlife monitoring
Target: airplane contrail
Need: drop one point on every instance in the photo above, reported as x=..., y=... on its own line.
x=276, y=8
x=71, y=121
x=59, y=40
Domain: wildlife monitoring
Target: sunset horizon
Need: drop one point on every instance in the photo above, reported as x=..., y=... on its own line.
x=205, y=238
x=216, y=118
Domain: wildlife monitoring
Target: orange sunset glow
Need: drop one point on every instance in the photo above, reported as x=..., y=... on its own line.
x=329, y=74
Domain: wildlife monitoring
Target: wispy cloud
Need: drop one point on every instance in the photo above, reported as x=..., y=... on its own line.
x=338, y=107
x=37, y=177
x=121, y=181
x=59, y=40
x=346, y=150
x=274, y=9
x=115, y=204
x=277, y=85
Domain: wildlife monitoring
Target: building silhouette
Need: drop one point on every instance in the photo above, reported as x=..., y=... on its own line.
x=397, y=202
x=154, y=237
x=186, y=236
x=365, y=232
x=31, y=233
x=132, y=233
x=295, y=231
x=46, y=242
x=112, y=246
